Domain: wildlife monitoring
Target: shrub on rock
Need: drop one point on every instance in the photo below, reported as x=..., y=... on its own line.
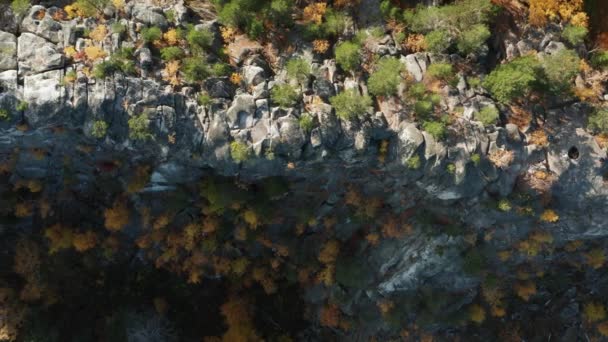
x=284, y=95
x=349, y=104
x=514, y=79
x=387, y=77
x=347, y=56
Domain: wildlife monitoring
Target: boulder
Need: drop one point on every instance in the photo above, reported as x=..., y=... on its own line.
x=148, y=15
x=291, y=138
x=8, y=51
x=416, y=64
x=554, y=47
x=323, y=88
x=8, y=81
x=241, y=112
x=145, y=58
x=46, y=27
x=409, y=141
x=219, y=87
x=36, y=55
x=253, y=75
x=329, y=125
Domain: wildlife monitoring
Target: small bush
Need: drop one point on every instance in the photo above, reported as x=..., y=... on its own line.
x=139, y=127
x=487, y=115
x=476, y=159
x=150, y=34
x=204, y=99
x=99, y=129
x=199, y=39
x=473, y=39
x=103, y=69
x=90, y=8
x=599, y=59
x=598, y=121
x=514, y=79
x=306, y=123
x=20, y=7
x=414, y=162
x=284, y=95
x=250, y=16
x=437, y=41
x=347, y=56
x=239, y=151
x=441, y=71
x=195, y=70
x=504, y=205
x=451, y=168
x=171, y=53
x=4, y=115
x=416, y=91
x=121, y=61
x=221, y=69
x=423, y=108
x=335, y=23
x=474, y=82
x=436, y=129
x=387, y=77
x=298, y=69
x=118, y=28
x=575, y=35
x=22, y=106
x=349, y=104
x=170, y=15
x=560, y=69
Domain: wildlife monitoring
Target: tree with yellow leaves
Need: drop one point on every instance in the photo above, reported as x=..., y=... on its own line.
x=117, y=217
x=84, y=241
x=59, y=237
x=238, y=318
x=543, y=11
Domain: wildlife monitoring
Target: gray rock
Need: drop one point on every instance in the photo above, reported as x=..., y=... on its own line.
x=8, y=51
x=433, y=149
x=524, y=47
x=511, y=51
x=8, y=81
x=43, y=88
x=241, y=112
x=416, y=65
x=323, y=88
x=291, y=138
x=262, y=110
x=145, y=57
x=46, y=27
x=261, y=91
x=409, y=141
x=329, y=124
x=8, y=20
x=315, y=137
x=259, y=132
x=554, y=47
x=513, y=132
x=328, y=70
x=37, y=55
x=219, y=87
x=253, y=75
x=151, y=16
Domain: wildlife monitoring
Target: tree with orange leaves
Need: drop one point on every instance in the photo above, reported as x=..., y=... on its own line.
x=543, y=11
x=117, y=217
x=239, y=321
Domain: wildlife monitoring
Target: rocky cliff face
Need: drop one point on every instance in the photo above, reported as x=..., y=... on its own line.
x=462, y=199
